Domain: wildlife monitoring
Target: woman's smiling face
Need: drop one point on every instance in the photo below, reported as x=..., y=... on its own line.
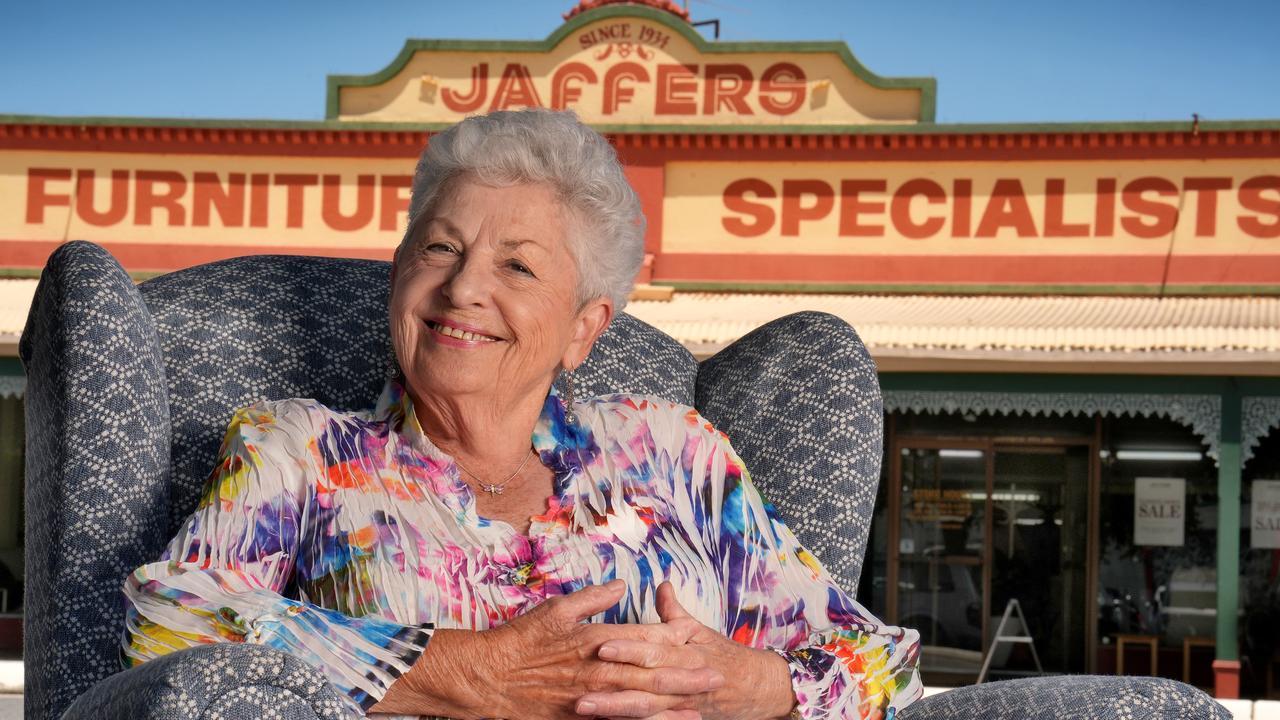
x=485, y=296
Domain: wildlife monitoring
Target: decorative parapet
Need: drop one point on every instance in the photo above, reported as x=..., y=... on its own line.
x=1202, y=413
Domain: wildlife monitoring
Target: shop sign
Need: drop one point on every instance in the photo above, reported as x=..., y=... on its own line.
x=1097, y=222
x=948, y=507
x=166, y=211
x=632, y=66
x=1159, y=511
x=1264, y=515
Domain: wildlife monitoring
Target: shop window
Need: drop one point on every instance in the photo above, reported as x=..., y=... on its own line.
x=1260, y=571
x=11, y=525
x=1158, y=524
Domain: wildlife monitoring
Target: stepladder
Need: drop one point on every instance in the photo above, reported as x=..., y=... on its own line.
x=1005, y=635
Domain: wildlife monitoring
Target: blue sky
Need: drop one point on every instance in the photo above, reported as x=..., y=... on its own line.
x=995, y=60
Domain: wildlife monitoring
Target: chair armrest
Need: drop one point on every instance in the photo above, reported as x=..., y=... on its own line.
x=1096, y=697
x=229, y=681
x=97, y=467
x=800, y=401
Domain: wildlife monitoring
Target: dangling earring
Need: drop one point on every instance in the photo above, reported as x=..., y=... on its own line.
x=569, y=415
x=393, y=368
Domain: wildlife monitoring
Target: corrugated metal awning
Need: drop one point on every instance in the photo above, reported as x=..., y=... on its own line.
x=919, y=332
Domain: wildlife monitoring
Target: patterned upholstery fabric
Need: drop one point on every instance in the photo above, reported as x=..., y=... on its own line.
x=800, y=401
x=262, y=327
x=215, y=682
x=633, y=357
x=94, y=379
x=1078, y=697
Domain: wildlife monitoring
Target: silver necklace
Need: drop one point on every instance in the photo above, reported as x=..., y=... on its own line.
x=496, y=488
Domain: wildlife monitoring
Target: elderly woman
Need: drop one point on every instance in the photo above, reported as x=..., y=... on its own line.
x=481, y=544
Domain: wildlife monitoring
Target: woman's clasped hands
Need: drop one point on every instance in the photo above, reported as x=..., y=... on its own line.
x=549, y=664
x=757, y=683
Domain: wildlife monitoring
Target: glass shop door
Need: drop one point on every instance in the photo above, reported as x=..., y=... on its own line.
x=1039, y=519
x=938, y=580
x=979, y=523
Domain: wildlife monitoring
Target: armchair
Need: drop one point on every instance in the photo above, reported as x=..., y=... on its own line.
x=131, y=386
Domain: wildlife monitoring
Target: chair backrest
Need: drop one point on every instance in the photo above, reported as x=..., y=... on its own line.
x=131, y=387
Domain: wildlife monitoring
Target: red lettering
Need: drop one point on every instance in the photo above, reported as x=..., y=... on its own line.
x=149, y=199
x=615, y=93
x=119, y=204
x=900, y=209
x=961, y=221
x=259, y=197
x=1104, y=214
x=851, y=206
x=735, y=200
x=1251, y=198
x=331, y=203
x=563, y=92
x=296, y=184
x=794, y=211
x=472, y=99
x=1206, y=190
x=393, y=202
x=674, y=81
x=733, y=94
x=1055, y=190
x=1164, y=216
x=1007, y=207
x=207, y=193
x=515, y=89
x=786, y=80
x=38, y=195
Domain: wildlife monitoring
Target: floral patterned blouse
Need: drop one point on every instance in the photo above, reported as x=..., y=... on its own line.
x=346, y=538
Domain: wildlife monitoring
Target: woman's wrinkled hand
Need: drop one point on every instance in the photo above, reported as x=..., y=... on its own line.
x=540, y=663
x=758, y=682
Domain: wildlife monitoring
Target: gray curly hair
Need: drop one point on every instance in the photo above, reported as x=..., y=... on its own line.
x=553, y=147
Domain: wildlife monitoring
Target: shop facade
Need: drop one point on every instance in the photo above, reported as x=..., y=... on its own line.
x=1077, y=325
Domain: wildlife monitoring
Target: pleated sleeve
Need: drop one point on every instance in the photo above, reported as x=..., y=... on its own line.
x=844, y=662
x=223, y=577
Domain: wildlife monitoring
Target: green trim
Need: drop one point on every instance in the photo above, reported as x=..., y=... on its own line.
x=20, y=272
x=771, y=129
x=963, y=289
x=926, y=85
x=1228, y=570
x=11, y=367
x=34, y=273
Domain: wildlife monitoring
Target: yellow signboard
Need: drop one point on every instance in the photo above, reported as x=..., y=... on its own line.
x=1096, y=208
x=627, y=66
x=1069, y=222
x=196, y=206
